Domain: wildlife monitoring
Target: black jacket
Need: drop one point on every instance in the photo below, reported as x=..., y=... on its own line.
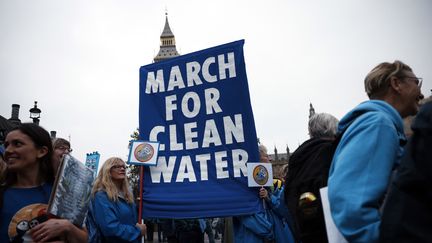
x=407, y=213
x=307, y=172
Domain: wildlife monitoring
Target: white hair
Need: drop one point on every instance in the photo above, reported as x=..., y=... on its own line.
x=322, y=125
x=262, y=149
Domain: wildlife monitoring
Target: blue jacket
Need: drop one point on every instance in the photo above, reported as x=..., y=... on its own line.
x=115, y=220
x=369, y=150
x=252, y=228
x=279, y=216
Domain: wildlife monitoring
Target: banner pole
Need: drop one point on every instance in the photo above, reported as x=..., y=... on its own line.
x=141, y=194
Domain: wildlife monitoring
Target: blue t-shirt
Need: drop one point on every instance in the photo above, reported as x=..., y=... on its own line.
x=15, y=199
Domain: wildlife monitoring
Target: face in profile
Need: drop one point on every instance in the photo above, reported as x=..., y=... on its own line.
x=411, y=94
x=21, y=152
x=264, y=157
x=58, y=154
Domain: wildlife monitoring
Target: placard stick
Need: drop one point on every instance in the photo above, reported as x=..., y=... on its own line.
x=141, y=194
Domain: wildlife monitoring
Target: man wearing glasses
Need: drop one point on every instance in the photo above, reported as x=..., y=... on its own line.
x=370, y=149
x=61, y=147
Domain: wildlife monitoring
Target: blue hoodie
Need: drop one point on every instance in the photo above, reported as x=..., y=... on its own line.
x=252, y=228
x=369, y=150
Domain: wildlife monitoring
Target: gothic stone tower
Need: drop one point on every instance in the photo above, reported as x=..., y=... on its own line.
x=168, y=46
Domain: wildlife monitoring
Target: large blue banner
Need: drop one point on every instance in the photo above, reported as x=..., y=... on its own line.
x=198, y=107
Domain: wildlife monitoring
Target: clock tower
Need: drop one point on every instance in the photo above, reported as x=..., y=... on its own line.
x=167, y=46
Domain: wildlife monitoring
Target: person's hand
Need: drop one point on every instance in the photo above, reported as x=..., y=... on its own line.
x=263, y=193
x=50, y=229
x=142, y=227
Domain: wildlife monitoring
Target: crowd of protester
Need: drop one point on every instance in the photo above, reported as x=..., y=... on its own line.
x=379, y=188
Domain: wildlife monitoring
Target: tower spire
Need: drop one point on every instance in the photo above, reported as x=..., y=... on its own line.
x=168, y=46
x=167, y=30
x=311, y=110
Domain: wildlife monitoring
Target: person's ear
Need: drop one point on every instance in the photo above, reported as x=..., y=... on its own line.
x=395, y=84
x=42, y=152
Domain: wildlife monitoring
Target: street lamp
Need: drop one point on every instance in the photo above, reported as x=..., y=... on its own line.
x=35, y=113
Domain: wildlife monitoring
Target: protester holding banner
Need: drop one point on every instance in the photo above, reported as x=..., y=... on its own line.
x=257, y=227
x=276, y=210
x=28, y=179
x=61, y=147
x=60, y=227
x=112, y=215
x=27, y=187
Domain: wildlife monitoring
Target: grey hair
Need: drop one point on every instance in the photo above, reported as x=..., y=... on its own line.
x=262, y=149
x=377, y=81
x=322, y=125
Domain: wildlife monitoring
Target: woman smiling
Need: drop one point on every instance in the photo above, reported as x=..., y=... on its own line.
x=28, y=180
x=26, y=189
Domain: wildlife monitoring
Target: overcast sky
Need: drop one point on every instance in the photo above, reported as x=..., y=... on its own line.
x=80, y=59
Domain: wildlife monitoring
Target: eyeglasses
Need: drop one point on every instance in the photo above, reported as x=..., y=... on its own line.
x=418, y=81
x=64, y=148
x=119, y=166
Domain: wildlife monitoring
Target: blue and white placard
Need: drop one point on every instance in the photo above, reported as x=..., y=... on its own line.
x=260, y=174
x=143, y=152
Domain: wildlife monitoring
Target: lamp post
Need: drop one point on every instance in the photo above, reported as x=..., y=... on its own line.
x=35, y=113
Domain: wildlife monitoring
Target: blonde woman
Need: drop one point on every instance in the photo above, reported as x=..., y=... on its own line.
x=113, y=215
